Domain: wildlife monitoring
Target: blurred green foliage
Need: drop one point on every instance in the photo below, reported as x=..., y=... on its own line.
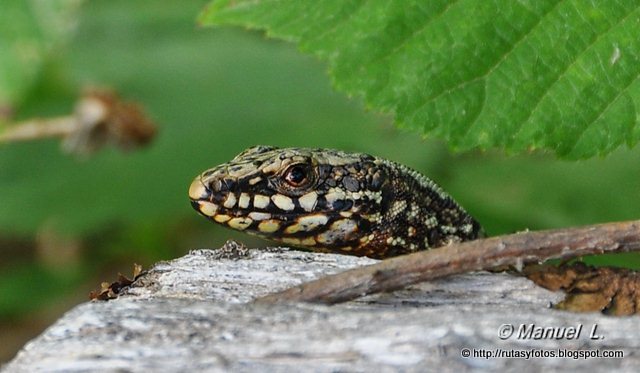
x=214, y=92
x=26, y=285
x=28, y=33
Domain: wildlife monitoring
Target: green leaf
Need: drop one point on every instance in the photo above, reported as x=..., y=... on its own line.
x=556, y=75
x=29, y=31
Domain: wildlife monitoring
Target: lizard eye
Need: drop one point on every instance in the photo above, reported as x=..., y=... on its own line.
x=297, y=175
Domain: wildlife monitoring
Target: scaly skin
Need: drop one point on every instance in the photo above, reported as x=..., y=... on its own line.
x=332, y=201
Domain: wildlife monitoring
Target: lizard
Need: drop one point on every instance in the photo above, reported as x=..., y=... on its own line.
x=331, y=201
x=353, y=203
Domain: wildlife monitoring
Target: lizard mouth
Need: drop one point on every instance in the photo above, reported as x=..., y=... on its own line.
x=239, y=211
x=202, y=199
x=264, y=218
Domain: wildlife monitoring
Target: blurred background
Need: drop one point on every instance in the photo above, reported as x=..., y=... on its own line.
x=68, y=222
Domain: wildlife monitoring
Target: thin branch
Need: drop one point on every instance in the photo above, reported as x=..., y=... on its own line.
x=496, y=252
x=100, y=118
x=36, y=129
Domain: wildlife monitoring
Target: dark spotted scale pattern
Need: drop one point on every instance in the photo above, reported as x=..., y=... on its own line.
x=332, y=201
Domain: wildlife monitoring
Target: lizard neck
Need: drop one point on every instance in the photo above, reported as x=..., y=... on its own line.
x=417, y=215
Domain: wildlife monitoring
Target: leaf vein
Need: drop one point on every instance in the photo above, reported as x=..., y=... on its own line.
x=490, y=69
x=407, y=38
x=569, y=66
x=342, y=20
x=604, y=110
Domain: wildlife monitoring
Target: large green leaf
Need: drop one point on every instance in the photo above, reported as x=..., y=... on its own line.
x=560, y=75
x=29, y=31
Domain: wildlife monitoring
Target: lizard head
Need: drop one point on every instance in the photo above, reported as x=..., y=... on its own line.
x=322, y=199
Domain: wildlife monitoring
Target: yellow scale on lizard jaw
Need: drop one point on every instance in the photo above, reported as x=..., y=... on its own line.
x=259, y=215
x=269, y=226
x=307, y=223
x=208, y=208
x=221, y=218
x=309, y=241
x=243, y=202
x=230, y=201
x=240, y=223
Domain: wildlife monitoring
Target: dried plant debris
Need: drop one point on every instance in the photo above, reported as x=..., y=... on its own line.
x=112, y=290
x=232, y=250
x=612, y=291
x=103, y=118
x=100, y=118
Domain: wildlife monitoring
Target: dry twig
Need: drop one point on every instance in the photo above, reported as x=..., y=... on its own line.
x=100, y=118
x=496, y=252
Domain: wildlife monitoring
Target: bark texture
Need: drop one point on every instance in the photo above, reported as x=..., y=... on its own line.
x=196, y=313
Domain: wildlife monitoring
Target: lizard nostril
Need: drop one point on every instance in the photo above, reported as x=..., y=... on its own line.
x=227, y=185
x=215, y=185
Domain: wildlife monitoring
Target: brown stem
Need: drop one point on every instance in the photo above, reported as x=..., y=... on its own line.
x=100, y=118
x=509, y=250
x=40, y=128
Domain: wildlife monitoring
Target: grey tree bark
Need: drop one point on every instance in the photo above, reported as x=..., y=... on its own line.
x=195, y=313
